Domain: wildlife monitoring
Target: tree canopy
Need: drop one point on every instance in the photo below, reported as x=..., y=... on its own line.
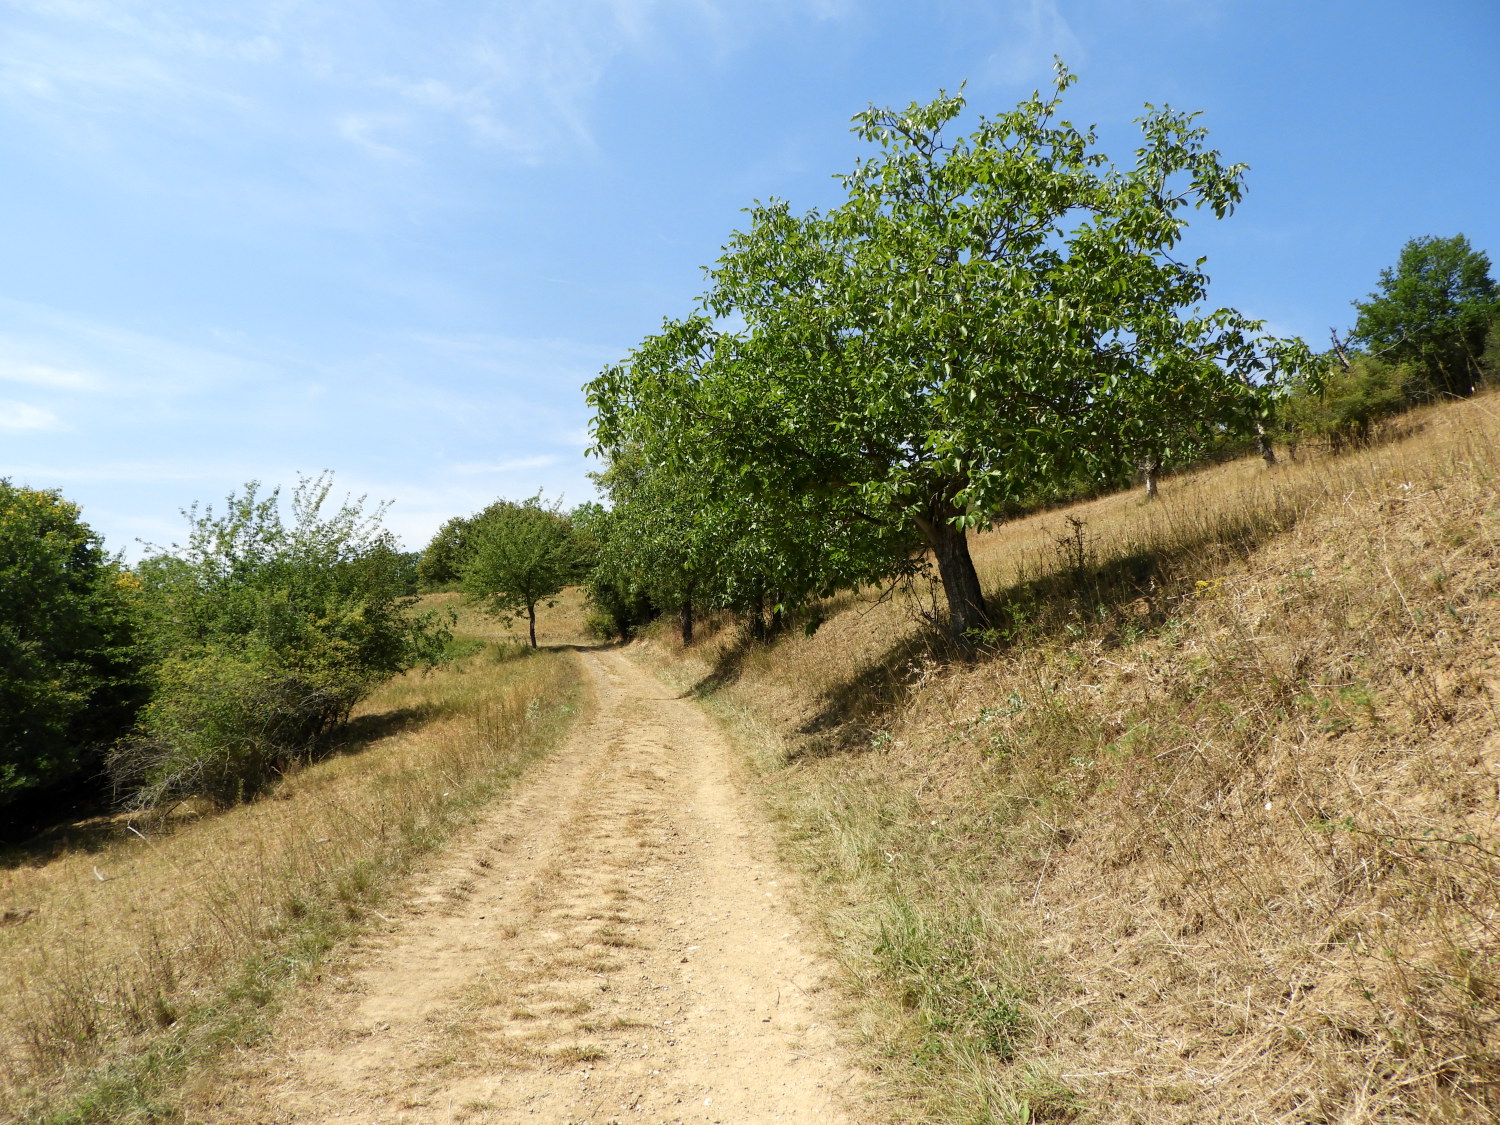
x=521, y=555
x=1434, y=309
x=983, y=318
x=69, y=674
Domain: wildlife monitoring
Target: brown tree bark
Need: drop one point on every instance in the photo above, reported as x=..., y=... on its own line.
x=685, y=621
x=531, y=614
x=1263, y=443
x=1150, y=467
x=967, y=614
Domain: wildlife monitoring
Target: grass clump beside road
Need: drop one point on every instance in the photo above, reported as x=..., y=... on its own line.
x=141, y=947
x=1208, y=834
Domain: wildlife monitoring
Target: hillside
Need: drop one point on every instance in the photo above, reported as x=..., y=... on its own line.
x=1209, y=831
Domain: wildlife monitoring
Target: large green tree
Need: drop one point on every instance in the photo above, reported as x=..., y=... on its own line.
x=1433, y=309
x=982, y=318
x=69, y=673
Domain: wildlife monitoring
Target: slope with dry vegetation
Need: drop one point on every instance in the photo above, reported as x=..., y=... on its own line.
x=136, y=948
x=1209, y=833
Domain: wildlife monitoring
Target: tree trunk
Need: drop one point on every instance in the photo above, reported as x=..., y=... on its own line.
x=1263, y=444
x=1150, y=467
x=531, y=613
x=950, y=545
x=685, y=621
x=758, y=620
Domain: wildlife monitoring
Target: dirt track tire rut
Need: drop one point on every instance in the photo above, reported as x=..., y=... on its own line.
x=611, y=944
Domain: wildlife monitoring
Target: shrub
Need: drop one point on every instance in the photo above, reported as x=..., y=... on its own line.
x=265, y=636
x=69, y=679
x=1348, y=404
x=225, y=724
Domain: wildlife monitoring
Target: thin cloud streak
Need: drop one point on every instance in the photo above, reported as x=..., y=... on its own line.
x=514, y=465
x=45, y=375
x=22, y=417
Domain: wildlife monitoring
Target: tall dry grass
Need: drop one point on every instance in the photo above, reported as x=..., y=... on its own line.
x=139, y=947
x=1208, y=835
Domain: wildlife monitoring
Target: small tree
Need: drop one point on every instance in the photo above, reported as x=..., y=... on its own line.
x=522, y=555
x=1434, y=310
x=441, y=563
x=69, y=667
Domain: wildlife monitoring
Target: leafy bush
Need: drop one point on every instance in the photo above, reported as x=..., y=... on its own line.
x=224, y=724
x=1345, y=408
x=265, y=636
x=69, y=679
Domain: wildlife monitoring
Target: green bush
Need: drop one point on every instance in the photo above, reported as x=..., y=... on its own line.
x=224, y=725
x=69, y=677
x=1348, y=404
x=265, y=635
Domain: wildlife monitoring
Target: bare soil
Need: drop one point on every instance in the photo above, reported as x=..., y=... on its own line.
x=612, y=943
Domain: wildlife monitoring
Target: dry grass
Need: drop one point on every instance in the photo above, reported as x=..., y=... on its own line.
x=563, y=623
x=147, y=945
x=1210, y=833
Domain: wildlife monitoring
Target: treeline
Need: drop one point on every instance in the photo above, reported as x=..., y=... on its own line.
x=209, y=667
x=986, y=324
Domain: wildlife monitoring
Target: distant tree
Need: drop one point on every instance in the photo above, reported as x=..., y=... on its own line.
x=615, y=589
x=1433, y=310
x=522, y=555
x=1489, y=362
x=441, y=563
x=69, y=674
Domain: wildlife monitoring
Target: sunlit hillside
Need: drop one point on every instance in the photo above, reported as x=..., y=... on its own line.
x=1209, y=831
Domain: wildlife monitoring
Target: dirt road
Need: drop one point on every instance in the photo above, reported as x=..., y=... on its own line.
x=610, y=945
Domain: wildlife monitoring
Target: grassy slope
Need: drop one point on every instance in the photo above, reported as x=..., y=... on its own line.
x=147, y=946
x=1209, y=835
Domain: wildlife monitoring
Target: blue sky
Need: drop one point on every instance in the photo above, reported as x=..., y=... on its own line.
x=248, y=240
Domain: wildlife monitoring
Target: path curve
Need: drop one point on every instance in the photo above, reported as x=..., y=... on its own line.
x=610, y=945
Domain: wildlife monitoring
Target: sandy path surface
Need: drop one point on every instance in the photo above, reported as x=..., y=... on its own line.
x=610, y=945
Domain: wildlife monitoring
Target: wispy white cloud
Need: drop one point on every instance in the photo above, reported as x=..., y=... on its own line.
x=131, y=472
x=519, y=357
x=46, y=347
x=514, y=465
x=363, y=129
x=45, y=375
x=1033, y=32
x=20, y=417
